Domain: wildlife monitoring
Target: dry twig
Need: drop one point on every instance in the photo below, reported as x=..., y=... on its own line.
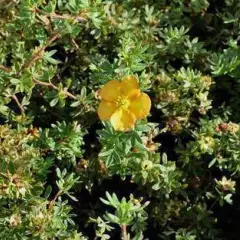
x=14, y=97
x=54, y=87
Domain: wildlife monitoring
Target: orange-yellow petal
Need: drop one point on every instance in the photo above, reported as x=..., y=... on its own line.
x=123, y=120
x=106, y=110
x=111, y=90
x=140, y=106
x=129, y=86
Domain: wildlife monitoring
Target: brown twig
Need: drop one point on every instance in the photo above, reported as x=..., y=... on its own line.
x=70, y=95
x=66, y=17
x=45, y=84
x=38, y=54
x=4, y=175
x=35, y=56
x=124, y=232
x=51, y=204
x=74, y=43
x=14, y=97
x=54, y=87
x=6, y=69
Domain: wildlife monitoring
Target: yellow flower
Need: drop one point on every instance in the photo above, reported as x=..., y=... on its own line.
x=123, y=103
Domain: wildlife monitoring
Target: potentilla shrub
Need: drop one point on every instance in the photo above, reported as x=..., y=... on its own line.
x=119, y=119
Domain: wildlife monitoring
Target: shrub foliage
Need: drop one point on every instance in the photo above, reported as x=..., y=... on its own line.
x=64, y=174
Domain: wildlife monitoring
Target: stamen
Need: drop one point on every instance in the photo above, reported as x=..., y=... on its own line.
x=123, y=102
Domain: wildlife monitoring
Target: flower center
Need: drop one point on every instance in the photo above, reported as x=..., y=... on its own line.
x=122, y=102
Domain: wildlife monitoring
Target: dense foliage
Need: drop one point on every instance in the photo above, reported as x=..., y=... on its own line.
x=64, y=174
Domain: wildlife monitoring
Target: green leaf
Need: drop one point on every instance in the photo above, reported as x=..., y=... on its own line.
x=54, y=102
x=48, y=192
x=48, y=57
